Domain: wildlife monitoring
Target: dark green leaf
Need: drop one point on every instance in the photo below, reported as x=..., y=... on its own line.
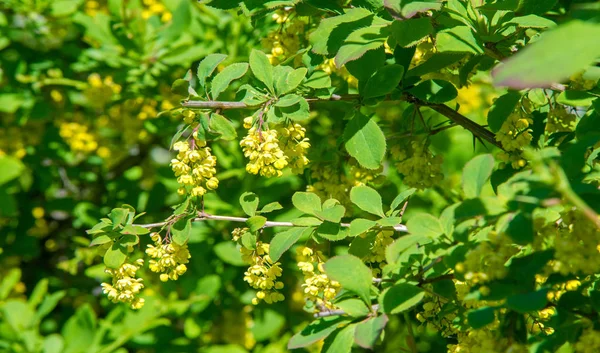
x=367, y=332
x=481, y=317
x=528, y=302
x=400, y=297
x=383, y=81
x=282, y=241
x=501, y=109
x=520, y=228
x=207, y=67
x=410, y=32
x=361, y=41
x=459, y=39
x=434, y=91
x=315, y=331
x=225, y=77
x=340, y=341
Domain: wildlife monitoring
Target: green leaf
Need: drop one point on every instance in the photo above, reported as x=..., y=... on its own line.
x=403, y=196
x=501, y=109
x=261, y=68
x=532, y=21
x=340, y=341
x=476, y=173
x=389, y=221
x=426, y=225
x=332, y=214
x=281, y=242
x=365, y=141
x=367, y=332
x=384, y=81
x=270, y=207
x=136, y=230
x=221, y=125
x=307, y=202
x=255, y=223
x=481, y=317
x=9, y=281
x=249, y=203
x=101, y=239
x=353, y=307
x=180, y=87
x=229, y=253
x=288, y=100
x=292, y=81
x=207, y=67
x=181, y=231
x=434, y=91
x=298, y=111
x=332, y=231
x=435, y=63
x=528, y=302
x=576, y=98
x=400, y=297
x=459, y=39
x=115, y=256
x=332, y=31
x=520, y=228
x=544, y=62
x=393, y=253
x=359, y=226
x=367, y=199
x=410, y=32
x=225, y=77
x=118, y=216
x=403, y=9
x=318, y=79
x=352, y=274
x=315, y=331
x=361, y=41
x=306, y=221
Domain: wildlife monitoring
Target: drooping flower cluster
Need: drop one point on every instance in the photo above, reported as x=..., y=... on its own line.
x=577, y=245
x=362, y=176
x=125, y=286
x=194, y=168
x=433, y=317
x=78, y=138
x=514, y=134
x=285, y=40
x=318, y=288
x=536, y=321
x=99, y=91
x=486, y=262
x=168, y=259
x=270, y=151
x=415, y=161
x=560, y=120
x=376, y=256
x=262, y=274
x=329, y=182
x=484, y=341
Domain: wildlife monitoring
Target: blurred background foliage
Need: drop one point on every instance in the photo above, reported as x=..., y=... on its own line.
x=82, y=85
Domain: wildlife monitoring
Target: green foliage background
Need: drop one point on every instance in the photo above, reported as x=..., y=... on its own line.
x=53, y=189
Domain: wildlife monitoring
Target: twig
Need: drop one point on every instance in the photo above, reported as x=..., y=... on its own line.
x=410, y=340
x=205, y=217
x=438, y=278
x=242, y=105
x=338, y=312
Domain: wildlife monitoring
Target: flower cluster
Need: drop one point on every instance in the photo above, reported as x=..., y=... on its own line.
x=78, y=138
x=194, y=167
x=589, y=342
x=515, y=159
x=155, y=7
x=436, y=318
x=329, y=182
x=514, y=134
x=168, y=259
x=318, y=288
x=560, y=120
x=330, y=67
x=535, y=321
x=486, y=262
x=419, y=166
x=577, y=245
x=285, y=40
x=99, y=92
x=363, y=176
x=125, y=286
x=262, y=274
x=376, y=256
x=484, y=341
x=270, y=151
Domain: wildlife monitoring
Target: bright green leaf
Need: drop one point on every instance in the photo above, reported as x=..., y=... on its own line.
x=400, y=297
x=365, y=141
x=352, y=274
x=476, y=173
x=367, y=199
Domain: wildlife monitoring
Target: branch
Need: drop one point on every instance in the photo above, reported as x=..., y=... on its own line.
x=205, y=217
x=443, y=109
x=337, y=312
x=242, y=105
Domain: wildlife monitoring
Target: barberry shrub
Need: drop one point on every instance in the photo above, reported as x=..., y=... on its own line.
x=406, y=175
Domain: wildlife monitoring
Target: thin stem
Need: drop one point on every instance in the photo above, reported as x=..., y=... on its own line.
x=410, y=340
x=242, y=105
x=337, y=312
x=205, y=217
